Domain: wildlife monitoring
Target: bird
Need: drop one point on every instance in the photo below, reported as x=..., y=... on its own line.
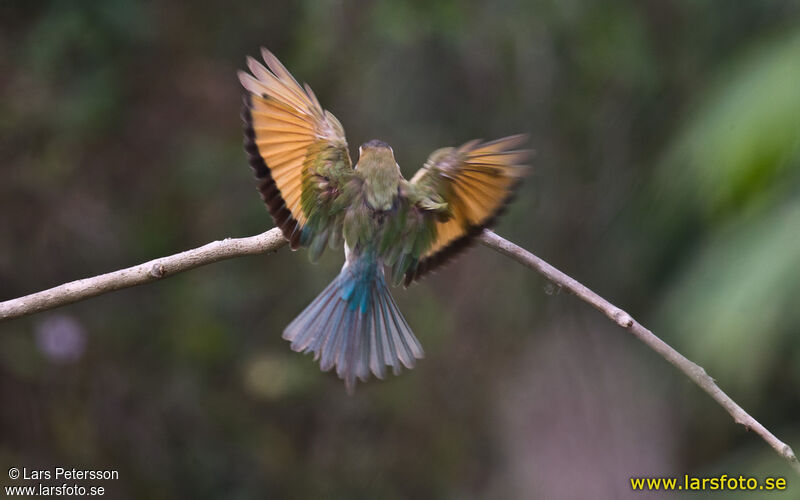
x=320, y=199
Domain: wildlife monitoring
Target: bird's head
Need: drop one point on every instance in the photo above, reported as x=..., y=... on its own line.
x=380, y=172
x=375, y=152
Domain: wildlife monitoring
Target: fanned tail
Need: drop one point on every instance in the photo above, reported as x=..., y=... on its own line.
x=355, y=326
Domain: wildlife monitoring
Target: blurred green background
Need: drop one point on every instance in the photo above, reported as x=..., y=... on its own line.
x=667, y=178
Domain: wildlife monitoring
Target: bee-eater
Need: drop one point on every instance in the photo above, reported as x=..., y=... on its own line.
x=317, y=198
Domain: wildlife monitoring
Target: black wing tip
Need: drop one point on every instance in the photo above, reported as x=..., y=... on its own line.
x=270, y=193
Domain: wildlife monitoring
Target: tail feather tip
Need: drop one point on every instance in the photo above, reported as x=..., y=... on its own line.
x=357, y=341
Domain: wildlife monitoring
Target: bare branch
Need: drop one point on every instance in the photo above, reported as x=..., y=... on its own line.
x=153, y=270
x=692, y=370
x=272, y=240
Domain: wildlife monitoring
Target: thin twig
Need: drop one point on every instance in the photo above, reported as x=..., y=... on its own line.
x=153, y=270
x=692, y=370
x=272, y=240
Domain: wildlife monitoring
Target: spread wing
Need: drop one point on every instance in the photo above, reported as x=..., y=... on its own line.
x=458, y=193
x=299, y=155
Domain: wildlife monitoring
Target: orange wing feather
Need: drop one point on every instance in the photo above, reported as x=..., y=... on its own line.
x=477, y=181
x=282, y=120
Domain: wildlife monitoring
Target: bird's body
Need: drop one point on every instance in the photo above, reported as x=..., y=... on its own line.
x=318, y=199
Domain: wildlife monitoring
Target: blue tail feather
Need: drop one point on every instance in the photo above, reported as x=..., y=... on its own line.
x=355, y=326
